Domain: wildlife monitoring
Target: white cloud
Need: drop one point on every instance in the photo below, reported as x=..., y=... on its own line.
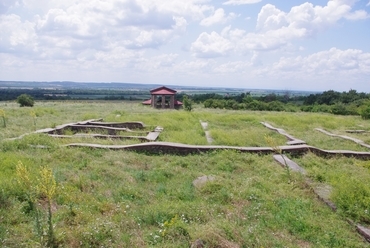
x=241, y=2
x=141, y=40
x=332, y=69
x=271, y=17
x=134, y=25
x=17, y=36
x=232, y=67
x=256, y=60
x=276, y=28
x=357, y=15
x=211, y=45
x=305, y=16
x=267, y=41
x=165, y=60
x=6, y=5
x=333, y=61
x=217, y=17
x=192, y=69
x=99, y=24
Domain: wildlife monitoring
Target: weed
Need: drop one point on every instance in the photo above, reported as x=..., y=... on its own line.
x=89, y=116
x=34, y=117
x=45, y=187
x=100, y=232
x=278, y=150
x=171, y=230
x=353, y=198
x=2, y=115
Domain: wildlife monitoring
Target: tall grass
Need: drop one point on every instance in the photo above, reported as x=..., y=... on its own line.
x=349, y=181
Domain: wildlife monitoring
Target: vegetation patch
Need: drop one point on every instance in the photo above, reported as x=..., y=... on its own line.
x=107, y=198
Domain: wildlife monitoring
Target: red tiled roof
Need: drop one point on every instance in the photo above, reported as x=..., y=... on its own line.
x=147, y=102
x=163, y=91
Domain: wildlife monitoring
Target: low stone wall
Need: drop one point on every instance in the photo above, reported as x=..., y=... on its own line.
x=100, y=136
x=291, y=140
x=97, y=125
x=80, y=128
x=130, y=125
x=177, y=148
x=172, y=148
x=357, y=141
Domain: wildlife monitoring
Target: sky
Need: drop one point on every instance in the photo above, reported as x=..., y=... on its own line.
x=254, y=44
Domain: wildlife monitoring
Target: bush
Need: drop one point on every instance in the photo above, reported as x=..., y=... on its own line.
x=256, y=105
x=208, y=103
x=275, y=106
x=339, y=109
x=316, y=108
x=25, y=100
x=365, y=113
x=188, y=105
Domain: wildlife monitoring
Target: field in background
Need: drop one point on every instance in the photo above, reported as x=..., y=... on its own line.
x=124, y=199
x=10, y=90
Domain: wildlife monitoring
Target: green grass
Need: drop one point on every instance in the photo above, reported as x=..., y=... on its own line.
x=126, y=199
x=349, y=180
x=302, y=126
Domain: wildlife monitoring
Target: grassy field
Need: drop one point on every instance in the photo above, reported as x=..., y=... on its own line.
x=108, y=198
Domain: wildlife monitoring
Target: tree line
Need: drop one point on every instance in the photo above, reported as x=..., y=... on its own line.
x=341, y=103
x=75, y=94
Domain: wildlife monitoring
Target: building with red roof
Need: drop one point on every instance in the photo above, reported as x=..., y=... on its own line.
x=163, y=97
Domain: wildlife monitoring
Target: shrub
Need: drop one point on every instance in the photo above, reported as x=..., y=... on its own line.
x=188, y=105
x=275, y=106
x=208, y=103
x=365, y=113
x=256, y=105
x=2, y=115
x=25, y=100
x=316, y=108
x=339, y=109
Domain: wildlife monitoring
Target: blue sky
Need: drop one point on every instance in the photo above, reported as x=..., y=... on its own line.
x=253, y=44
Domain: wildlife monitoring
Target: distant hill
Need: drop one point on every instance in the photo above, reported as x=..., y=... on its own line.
x=63, y=85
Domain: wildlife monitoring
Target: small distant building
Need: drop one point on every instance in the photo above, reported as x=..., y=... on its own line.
x=163, y=97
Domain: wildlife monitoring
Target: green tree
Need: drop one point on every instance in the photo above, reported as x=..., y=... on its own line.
x=25, y=100
x=248, y=99
x=188, y=105
x=208, y=103
x=257, y=105
x=329, y=97
x=365, y=113
x=275, y=106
